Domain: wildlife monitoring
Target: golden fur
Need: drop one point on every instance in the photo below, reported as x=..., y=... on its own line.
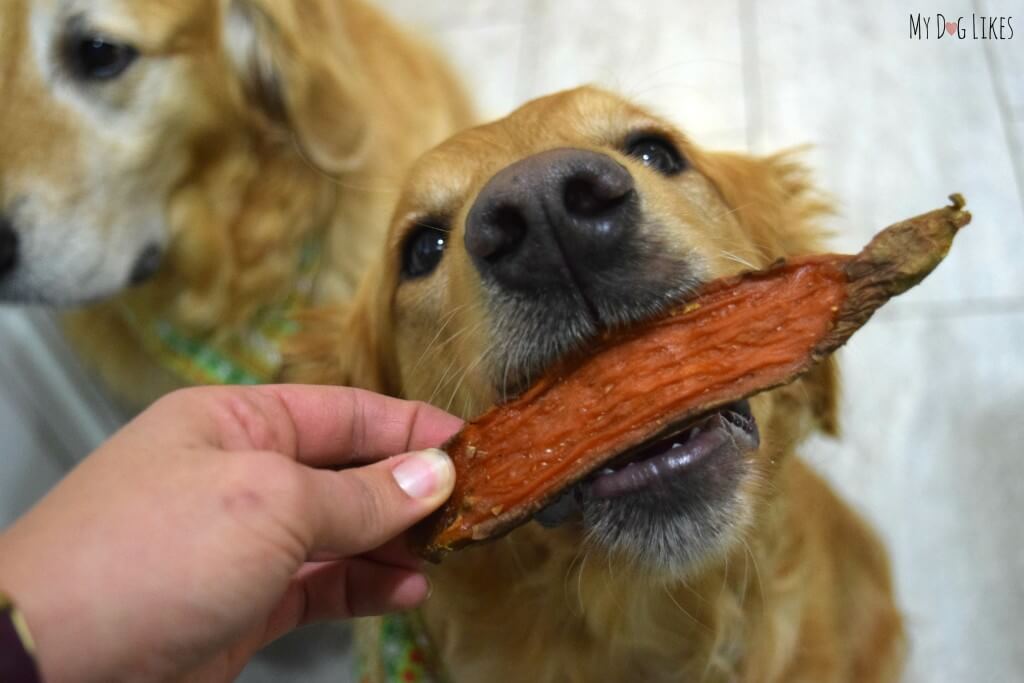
x=798, y=590
x=244, y=128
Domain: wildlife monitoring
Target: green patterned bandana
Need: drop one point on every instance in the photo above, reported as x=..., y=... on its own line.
x=405, y=653
x=249, y=355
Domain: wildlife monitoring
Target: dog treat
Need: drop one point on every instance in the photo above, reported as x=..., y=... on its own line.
x=739, y=336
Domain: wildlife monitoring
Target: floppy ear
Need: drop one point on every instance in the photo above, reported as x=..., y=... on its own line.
x=823, y=390
x=297, y=67
x=335, y=347
x=346, y=345
x=776, y=202
x=773, y=198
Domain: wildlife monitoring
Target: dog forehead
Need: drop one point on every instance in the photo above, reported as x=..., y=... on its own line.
x=30, y=122
x=151, y=25
x=587, y=111
x=582, y=117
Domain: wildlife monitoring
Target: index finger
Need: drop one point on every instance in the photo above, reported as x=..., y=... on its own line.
x=341, y=425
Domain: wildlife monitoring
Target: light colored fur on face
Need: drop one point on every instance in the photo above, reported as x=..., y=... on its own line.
x=244, y=127
x=790, y=586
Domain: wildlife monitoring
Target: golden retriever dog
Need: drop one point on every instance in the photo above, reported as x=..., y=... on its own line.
x=239, y=157
x=520, y=241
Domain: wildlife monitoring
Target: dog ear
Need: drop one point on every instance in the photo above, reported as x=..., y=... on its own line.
x=774, y=198
x=776, y=202
x=298, y=70
x=823, y=389
x=346, y=345
x=335, y=347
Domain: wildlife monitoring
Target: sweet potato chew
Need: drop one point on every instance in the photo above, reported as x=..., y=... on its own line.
x=739, y=336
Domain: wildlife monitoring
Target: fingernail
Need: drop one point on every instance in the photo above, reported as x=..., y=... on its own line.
x=424, y=474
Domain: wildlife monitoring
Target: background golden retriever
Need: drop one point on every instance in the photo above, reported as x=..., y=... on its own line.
x=213, y=143
x=516, y=243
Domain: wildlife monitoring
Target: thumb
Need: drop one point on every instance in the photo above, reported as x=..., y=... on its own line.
x=357, y=510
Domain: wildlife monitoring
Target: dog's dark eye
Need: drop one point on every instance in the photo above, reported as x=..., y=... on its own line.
x=423, y=250
x=658, y=153
x=99, y=59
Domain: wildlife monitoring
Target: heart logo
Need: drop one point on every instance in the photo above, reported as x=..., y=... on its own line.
x=951, y=28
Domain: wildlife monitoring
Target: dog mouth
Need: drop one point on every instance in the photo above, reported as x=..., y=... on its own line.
x=728, y=432
x=693, y=450
x=683, y=471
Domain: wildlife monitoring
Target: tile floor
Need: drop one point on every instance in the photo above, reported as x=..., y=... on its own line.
x=933, y=451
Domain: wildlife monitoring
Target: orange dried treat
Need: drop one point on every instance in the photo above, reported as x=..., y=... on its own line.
x=739, y=336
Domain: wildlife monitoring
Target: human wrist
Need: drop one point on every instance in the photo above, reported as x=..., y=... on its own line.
x=30, y=587
x=17, y=648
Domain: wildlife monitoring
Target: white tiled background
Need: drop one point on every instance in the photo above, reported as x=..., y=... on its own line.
x=933, y=450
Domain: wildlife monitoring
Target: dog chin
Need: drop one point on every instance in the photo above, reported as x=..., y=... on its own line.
x=58, y=293
x=661, y=535
x=672, y=502
x=78, y=282
x=21, y=293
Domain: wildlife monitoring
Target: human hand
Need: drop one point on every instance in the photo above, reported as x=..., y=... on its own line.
x=207, y=527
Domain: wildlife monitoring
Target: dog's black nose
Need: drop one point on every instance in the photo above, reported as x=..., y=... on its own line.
x=8, y=247
x=556, y=215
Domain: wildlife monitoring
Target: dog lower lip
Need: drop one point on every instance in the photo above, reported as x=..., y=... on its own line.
x=728, y=432
x=562, y=509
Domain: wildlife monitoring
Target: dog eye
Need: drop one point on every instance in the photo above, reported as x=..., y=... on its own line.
x=99, y=59
x=423, y=250
x=658, y=153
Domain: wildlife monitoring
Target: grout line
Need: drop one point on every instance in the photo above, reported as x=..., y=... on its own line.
x=750, y=57
x=1016, y=147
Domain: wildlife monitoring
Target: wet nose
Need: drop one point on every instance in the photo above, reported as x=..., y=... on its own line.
x=8, y=247
x=559, y=214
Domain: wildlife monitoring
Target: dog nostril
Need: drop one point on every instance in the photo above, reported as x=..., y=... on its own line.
x=8, y=247
x=499, y=235
x=146, y=265
x=591, y=197
x=512, y=227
